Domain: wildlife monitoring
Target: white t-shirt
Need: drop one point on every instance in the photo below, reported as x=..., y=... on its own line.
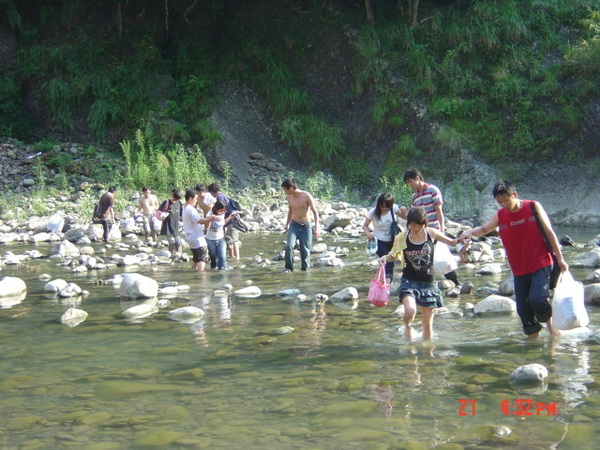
x=382, y=229
x=215, y=227
x=194, y=233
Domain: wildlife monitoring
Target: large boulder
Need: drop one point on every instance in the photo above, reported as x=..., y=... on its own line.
x=135, y=285
x=12, y=287
x=495, y=304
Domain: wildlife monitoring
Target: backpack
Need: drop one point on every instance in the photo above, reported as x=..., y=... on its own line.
x=97, y=213
x=233, y=205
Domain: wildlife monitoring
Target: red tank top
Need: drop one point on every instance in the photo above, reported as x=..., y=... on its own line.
x=525, y=248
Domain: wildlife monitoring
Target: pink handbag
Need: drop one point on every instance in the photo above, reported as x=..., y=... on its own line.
x=379, y=291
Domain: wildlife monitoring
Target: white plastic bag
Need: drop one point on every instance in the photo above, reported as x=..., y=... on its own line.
x=443, y=260
x=55, y=223
x=568, y=308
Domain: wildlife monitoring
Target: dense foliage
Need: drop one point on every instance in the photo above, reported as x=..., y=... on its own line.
x=507, y=79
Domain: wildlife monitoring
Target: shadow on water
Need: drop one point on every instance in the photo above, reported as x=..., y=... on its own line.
x=275, y=372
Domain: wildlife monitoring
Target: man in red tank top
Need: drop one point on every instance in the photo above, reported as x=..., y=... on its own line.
x=527, y=254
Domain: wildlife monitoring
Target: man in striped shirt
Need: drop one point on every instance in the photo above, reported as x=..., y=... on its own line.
x=428, y=197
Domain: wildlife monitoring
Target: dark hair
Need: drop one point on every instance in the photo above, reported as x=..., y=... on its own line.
x=145, y=189
x=112, y=189
x=416, y=215
x=200, y=187
x=503, y=187
x=189, y=194
x=384, y=200
x=213, y=187
x=217, y=206
x=412, y=174
x=289, y=183
x=176, y=194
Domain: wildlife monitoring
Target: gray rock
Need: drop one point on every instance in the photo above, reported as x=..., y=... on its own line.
x=529, y=374
x=135, y=285
x=592, y=294
x=12, y=287
x=592, y=259
x=507, y=286
x=490, y=269
x=345, y=295
x=55, y=285
x=495, y=304
x=65, y=249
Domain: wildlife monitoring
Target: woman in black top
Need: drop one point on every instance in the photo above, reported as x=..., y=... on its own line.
x=418, y=285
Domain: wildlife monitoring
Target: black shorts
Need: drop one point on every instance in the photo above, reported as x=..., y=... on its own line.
x=200, y=254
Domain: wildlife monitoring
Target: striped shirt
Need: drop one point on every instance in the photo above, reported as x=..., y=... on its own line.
x=428, y=199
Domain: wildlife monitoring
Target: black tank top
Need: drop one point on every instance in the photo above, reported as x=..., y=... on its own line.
x=419, y=260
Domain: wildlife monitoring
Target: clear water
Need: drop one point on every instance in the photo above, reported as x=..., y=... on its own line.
x=343, y=379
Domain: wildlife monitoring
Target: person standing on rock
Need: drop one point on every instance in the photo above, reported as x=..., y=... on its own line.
x=170, y=225
x=298, y=226
x=429, y=197
x=193, y=227
x=382, y=218
x=232, y=235
x=415, y=248
x=107, y=213
x=527, y=254
x=147, y=204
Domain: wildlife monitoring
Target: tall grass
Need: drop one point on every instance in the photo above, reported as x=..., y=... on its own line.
x=177, y=168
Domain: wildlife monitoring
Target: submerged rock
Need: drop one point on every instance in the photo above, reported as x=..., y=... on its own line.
x=73, y=317
x=248, y=292
x=529, y=374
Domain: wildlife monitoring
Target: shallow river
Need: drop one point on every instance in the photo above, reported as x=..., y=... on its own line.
x=343, y=379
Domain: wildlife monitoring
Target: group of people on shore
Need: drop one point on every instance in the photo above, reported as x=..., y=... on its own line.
x=204, y=218
x=524, y=227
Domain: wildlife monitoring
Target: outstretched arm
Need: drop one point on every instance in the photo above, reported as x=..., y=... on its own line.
x=482, y=230
x=440, y=236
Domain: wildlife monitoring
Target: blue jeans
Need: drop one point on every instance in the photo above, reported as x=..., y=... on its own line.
x=303, y=233
x=217, y=250
x=531, y=293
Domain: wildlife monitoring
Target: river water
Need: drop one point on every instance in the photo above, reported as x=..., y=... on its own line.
x=343, y=379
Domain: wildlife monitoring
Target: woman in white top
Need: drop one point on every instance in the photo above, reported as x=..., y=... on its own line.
x=381, y=217
x=215, y=235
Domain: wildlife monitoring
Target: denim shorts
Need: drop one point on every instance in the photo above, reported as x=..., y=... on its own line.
x=425, y=293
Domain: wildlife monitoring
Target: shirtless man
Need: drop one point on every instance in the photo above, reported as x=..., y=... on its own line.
x=298, y=226
x=146, y=207
x=205, y=199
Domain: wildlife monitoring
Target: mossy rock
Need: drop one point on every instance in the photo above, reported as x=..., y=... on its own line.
x=352, y=384
x=157, y=439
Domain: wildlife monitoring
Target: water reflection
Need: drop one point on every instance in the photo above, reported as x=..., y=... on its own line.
x=342, y=379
